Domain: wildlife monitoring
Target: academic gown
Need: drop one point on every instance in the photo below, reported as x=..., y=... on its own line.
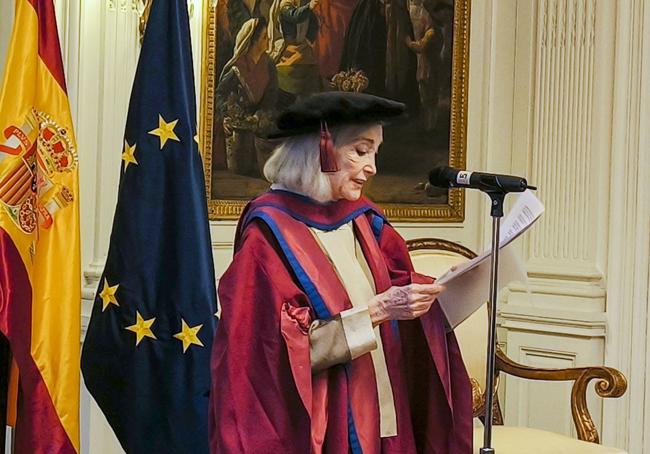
x=264, y=397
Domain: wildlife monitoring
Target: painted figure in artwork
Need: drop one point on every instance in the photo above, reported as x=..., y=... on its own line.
x=293, y=30
x=432, y=46
x=375, y=43
x=246, y=99
x=334, y=17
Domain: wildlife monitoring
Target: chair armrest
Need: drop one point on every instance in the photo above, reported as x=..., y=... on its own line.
x=611, y=383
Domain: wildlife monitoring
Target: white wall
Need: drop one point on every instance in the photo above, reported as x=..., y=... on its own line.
x=567, y=100
x=559, y=93
x=558, y=137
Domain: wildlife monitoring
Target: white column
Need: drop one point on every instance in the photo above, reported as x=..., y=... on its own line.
x=550, y=116
x=627, y=421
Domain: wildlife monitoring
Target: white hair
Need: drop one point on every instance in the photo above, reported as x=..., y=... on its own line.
x=295, y=163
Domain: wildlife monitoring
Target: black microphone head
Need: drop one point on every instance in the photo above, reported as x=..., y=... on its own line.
x=442, y=176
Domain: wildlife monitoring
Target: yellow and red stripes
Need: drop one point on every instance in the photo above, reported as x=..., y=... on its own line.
x=16, y=185
x=48, y=40
x=40, y=271
x=39, y=429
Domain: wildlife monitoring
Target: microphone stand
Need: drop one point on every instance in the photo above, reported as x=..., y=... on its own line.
x=496, y=213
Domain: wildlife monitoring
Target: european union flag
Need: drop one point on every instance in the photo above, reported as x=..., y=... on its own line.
x=146, y=357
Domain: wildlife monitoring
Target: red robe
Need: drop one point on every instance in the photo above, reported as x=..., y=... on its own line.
x=334, y=18
x=264, y=398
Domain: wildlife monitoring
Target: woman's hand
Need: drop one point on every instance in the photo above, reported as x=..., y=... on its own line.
x=403, y=303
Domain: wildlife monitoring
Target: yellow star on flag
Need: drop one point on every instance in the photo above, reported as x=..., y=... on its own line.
x=142, y=328
x=108, y=295
x=128, y=156
x=165, y=131
x=188, y=335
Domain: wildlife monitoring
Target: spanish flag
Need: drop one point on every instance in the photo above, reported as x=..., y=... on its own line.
x=40, y=288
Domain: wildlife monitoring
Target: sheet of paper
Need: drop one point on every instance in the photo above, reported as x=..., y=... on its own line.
x=526, y=210
x=470, y=291
x=467, y=287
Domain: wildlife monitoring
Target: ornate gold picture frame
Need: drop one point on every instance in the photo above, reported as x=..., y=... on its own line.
x=430, y=60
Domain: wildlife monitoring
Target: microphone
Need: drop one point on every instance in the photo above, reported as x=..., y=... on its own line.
x=448, y=177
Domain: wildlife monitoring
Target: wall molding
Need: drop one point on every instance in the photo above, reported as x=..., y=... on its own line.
x=566, y=323
x=541, y=404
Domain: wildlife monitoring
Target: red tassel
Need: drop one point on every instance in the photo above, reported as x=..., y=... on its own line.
x=327, y=158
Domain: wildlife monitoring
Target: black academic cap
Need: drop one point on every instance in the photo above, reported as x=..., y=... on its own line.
x=334, y=108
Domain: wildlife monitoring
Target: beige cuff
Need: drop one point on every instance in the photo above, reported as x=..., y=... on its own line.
x=327, y=345
x=358, y=330
x=341, y=339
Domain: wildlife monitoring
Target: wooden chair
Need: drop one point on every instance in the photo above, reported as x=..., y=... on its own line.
x=432, y=257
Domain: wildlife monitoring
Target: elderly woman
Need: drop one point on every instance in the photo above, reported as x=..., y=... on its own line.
x=328, y=341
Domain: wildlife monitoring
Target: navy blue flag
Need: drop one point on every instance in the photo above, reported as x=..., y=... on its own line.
x=146, y=356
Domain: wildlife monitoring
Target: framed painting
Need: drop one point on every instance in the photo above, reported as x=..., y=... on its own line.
x=261, y=55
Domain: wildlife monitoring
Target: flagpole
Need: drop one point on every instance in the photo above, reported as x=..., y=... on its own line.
x=5, y=370
x=12, y=439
